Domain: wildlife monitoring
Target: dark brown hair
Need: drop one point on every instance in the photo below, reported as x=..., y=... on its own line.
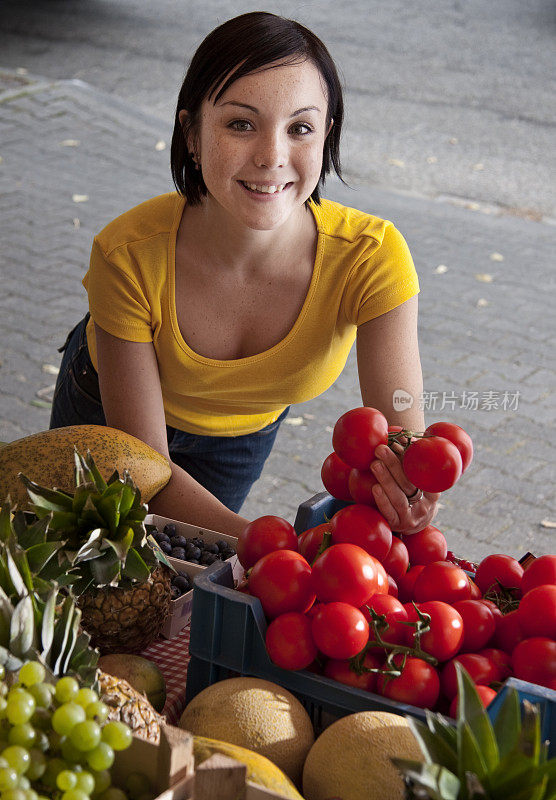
x=236, y=48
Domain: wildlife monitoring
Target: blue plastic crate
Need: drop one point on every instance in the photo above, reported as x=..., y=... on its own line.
x=319, y=508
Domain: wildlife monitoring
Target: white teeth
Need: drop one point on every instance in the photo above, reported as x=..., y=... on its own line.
x=264, y=189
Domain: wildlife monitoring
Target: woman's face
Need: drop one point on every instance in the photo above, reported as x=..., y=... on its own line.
x=261, y=145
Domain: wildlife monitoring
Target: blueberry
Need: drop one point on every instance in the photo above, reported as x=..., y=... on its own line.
x=208, y=558
x=182, y=582
x=166, y=547
x=170, y=529
x=178, y=552
x=178, y=541
x=175, y=592
x=212, y=548
x=161, y=537
x=228, y=554
x=222, y=545
x=200, y=543
x=194, y=554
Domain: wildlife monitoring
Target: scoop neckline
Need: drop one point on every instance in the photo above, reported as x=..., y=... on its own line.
x=234, y=362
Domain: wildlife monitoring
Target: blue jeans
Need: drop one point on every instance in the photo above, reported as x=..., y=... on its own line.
x=225, y=465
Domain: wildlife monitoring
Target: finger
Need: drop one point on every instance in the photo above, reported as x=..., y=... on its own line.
x=387, y=460
x=385, y=507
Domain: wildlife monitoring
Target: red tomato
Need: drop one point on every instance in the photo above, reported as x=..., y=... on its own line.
x=541, y=572
x=394, y=613
x=480, y=669
x=406, y=583
x=457, y=436
x=392, y=586
x=346, y=573
x=418, y=684
x=262, y=536
x=433, y=464
x=475, y=591
x=508, y=632
x=485, y=693
x=339, y=630
x=363, y=526
x=340, y=670
x=383, y=579
x=357, y=434
x=311, y=542
x=501, y=660
x=282, y=582
x=441, y=580
x=335, y=475
x=426, y=546
x=534, y=660
x=478, y=624
x=361, y=482
x=396, y=562
x=493, y=607
x=537, y=612
x=444, y=639
x=498, y=567
x=289, y=641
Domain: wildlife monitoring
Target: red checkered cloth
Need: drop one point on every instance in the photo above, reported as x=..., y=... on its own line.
x=172, y=658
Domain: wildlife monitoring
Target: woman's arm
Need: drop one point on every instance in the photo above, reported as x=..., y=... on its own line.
x=132, y=401
x=391, y=380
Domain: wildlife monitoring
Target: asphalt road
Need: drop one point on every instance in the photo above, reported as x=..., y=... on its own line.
x=444, y=99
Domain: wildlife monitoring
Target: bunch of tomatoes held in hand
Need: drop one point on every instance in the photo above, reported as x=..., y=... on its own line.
x=392, y=614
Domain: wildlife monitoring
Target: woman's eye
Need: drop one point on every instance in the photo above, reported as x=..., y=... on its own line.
x=240, y=125
x=301, y=129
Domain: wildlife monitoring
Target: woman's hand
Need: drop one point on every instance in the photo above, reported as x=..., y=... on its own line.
x=405, y=508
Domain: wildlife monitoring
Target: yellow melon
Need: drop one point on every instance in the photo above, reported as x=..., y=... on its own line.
x=259, y=769
x=255, y=714
x=351, y=758
x=47, y=458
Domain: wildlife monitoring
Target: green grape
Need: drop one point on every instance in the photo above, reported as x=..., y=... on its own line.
x=15, y=794
x=42, y=742
x=66, y=716
x=98, y=711
x=17, y=757
x=42, y=719
x=54, y=741
x=117, y=735
x=75, y=794
x=3, y=762
x=2, y=672
x=9, y=779
x=21, y=706
x=113, y=794
x=70, y=752
x=37, y=765
x=4, y=689
x=66, y=689
x=85, y=782
x=31, y=794
x=86, y=735
x=85, y=697
x=24, y=735
x=137, y=784
x=32, y=672
x=102, y=757
x=3, y=707
x=66, y=779
x=53, y=767
x=24, y=782
x=43, y=693
x=102, y=781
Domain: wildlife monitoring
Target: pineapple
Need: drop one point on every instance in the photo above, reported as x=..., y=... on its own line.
x=119, y=575
x=479, y=760
x=38, y=622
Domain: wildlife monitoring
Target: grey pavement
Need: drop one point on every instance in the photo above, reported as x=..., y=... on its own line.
x=73, y=157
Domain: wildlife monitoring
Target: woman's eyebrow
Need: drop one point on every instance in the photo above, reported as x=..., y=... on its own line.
x=256, y=110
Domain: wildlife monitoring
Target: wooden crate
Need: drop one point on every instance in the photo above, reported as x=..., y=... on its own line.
x=170, y=767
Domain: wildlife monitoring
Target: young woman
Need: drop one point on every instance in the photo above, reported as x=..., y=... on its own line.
x=214, y=308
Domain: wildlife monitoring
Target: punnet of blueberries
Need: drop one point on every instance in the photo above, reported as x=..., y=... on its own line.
x=181, y=584
x=194, y=550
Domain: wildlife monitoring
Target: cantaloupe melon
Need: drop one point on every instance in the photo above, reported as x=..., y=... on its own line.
x=255, y=714
x=351, y=758
x=259, y=769
x=142, y=674
x=47, y=458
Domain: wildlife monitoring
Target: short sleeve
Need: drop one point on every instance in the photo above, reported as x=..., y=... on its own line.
x=116, y=300
x=381, y=281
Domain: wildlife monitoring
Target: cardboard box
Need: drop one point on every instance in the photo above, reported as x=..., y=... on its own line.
x=180, y=609
x=193, y=531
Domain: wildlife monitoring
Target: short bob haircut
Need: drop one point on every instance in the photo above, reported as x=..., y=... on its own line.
x=243, y=45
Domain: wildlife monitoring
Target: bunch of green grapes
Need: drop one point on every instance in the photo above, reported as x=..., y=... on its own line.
x=56, y=742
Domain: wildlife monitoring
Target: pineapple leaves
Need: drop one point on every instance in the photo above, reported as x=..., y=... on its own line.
x=435, y=749
x=39, y=555
x=135, y=567
x=99, y=481
x=439, y=782
x=106, y=570
x=122, y=546
x=470, y=758
x=62, y=634
x=472, y=712
x=45, y=500
x=6, y=611
x=22, y=628
x=47, y=624
x=29, y=535
x=5, y=521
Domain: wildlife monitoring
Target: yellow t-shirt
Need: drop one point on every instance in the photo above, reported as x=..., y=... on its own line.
x=362, y=269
